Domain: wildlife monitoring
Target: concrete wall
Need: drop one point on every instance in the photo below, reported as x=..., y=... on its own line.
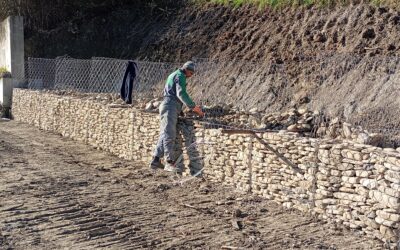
x=5, y=45
x=6, y=86
x=340, y=181
x=11, y=57
x=12, y=45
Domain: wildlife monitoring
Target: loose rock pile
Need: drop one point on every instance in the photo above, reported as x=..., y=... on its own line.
x=301, y=120
x=342, y=181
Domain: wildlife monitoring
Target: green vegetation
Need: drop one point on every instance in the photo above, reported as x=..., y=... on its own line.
x=4, y=72
x=282, y=3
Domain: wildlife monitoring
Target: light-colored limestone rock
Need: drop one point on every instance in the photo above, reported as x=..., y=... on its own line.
x=384, y=199
x=392, y=176
x=369, y=183
x=389, y=215
x=388, y=233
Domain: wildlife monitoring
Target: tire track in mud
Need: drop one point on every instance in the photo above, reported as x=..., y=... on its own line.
x=60, y=208
x=59, y=194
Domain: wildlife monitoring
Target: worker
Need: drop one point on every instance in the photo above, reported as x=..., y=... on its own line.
x=175, y=96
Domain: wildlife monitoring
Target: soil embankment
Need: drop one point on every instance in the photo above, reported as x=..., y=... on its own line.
x=212, y=31
x=343, y=59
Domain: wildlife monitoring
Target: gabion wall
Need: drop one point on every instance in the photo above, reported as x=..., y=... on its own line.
x=340, y=181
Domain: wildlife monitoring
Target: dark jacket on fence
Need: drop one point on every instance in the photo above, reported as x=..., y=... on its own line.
x=127, y=82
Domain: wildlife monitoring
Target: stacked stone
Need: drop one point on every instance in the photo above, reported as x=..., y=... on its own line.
x=384, y=193
x=337, y=192
x=76, y=118
x=65, y=117
x=125, y=132
x=21, y=109
x=214, y=166
x=352, y=188
x=152, y=105
x=146, y=128
x=274, y=179
x=46, y=112
x=299, y=120
x=294, y=120
x=34, y=109
x=119, y=133
x=353, y=184
x=98, y=122
x=229, y=160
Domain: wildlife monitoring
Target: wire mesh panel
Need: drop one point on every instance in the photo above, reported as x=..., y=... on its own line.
x=102, y=75
x=152, y=77
x=40, y=73
x=73, y=74
x=239, y=82
x=359, y=90
x=106, y=75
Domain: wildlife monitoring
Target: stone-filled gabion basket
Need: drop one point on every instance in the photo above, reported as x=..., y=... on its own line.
x=341, y=179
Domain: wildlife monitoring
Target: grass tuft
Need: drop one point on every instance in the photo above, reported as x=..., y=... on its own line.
x=4, y=73
x=3, y=70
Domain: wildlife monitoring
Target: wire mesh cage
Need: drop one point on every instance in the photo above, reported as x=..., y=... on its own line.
x=226, y=81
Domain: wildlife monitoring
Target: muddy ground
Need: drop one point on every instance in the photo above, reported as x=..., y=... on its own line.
x=59, y=194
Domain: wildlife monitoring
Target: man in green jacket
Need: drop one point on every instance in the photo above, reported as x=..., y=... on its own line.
x=175, y=96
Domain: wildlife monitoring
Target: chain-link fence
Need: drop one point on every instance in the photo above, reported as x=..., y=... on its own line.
x=362, y=90
x=96, y=75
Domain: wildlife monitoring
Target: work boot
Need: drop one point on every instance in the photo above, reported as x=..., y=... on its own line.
x=170, y=167
x=156, y=163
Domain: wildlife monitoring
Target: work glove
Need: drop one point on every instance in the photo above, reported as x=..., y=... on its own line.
x=198, y=111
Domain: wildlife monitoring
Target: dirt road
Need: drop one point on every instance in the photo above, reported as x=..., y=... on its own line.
x=59, y=194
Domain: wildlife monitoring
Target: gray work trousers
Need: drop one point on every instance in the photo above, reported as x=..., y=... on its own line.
x=169, y=111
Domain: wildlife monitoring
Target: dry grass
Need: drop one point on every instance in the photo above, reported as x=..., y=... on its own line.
x=3, y=70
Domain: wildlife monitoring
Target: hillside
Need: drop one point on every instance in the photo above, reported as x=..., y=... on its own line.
x=343, y=59
x=176, y=30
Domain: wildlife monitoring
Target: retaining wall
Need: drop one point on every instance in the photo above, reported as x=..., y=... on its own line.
x=353, y=184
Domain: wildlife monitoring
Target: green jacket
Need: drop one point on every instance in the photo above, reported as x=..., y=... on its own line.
x=176, y=87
